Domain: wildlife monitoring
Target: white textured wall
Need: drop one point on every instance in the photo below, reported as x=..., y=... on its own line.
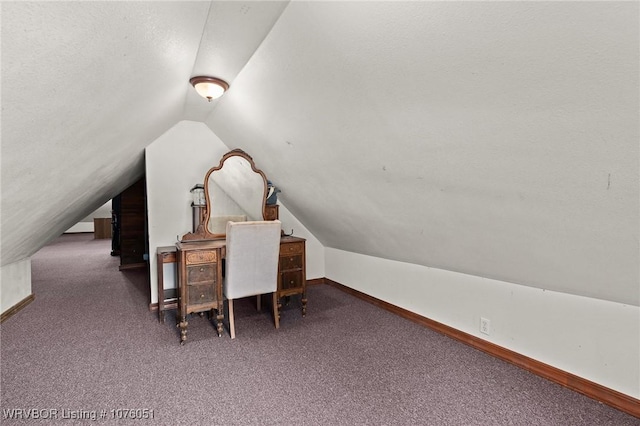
x=175, y=162
x=81, y=226
x=315, y=250
x=86, y=224
x=496, y=139
x=594, y=339
x=15, y=284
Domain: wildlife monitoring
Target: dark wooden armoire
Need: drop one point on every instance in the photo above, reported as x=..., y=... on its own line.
x=130, y=226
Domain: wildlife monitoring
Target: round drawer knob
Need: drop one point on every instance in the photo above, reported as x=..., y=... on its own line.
x=202, y=296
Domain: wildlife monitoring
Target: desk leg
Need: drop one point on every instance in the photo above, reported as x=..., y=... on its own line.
x=219, y=320
x=304, y=304
x=183, y=329
x=160, y=277
x=276, y=312
x=279, y=303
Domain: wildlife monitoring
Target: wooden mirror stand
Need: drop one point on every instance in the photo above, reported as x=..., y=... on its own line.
x=234, y=190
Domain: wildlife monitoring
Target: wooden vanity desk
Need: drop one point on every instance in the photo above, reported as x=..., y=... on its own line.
x=235, y=190
x=200, y=278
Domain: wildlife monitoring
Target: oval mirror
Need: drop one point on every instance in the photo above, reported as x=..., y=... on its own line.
x=235, y=190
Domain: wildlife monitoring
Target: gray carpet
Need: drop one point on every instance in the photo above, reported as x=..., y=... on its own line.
x=89, y=343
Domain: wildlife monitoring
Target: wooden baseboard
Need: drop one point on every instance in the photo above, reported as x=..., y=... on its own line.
x=586, y=387
x=17, y=307
x=132, y=266
x=316, y=281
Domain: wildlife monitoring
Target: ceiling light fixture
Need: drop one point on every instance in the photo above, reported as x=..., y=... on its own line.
x=209, y=87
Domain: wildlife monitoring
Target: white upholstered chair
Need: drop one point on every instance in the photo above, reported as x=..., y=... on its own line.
x=253, y=250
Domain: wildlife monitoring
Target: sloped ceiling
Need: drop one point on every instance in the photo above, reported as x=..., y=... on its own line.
x=86, y=86
x=498, y=139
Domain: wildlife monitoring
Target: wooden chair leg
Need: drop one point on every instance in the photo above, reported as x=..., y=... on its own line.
x=232, y=324
x=259, y=302
x=276, y=315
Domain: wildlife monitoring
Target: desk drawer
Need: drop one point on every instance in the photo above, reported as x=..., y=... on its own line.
x=290, y=262
x=290, y=280
x=200, y=293
x=292, y=248
x=201, y=273
x=200, y=256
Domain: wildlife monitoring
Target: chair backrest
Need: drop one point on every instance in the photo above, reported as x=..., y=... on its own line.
x=253, y=249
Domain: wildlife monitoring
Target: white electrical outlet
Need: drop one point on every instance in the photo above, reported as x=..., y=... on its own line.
x=485, y=326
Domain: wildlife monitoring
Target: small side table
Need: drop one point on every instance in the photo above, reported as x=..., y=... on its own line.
x=167, y=299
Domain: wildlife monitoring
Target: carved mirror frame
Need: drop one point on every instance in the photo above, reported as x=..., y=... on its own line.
x=203, y=233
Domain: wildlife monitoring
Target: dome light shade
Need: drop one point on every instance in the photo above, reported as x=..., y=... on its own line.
x=209, y=87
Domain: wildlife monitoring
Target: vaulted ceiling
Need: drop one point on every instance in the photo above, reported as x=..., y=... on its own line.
x=498, y=139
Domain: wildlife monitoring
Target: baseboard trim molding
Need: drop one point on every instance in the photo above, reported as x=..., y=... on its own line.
x=316, y=281
x=16, y=308
x=132, y=266
x=578, y=384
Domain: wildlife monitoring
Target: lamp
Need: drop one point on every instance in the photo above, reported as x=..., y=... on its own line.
x=209, y=87
x=198, y=206
x=197, y=193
